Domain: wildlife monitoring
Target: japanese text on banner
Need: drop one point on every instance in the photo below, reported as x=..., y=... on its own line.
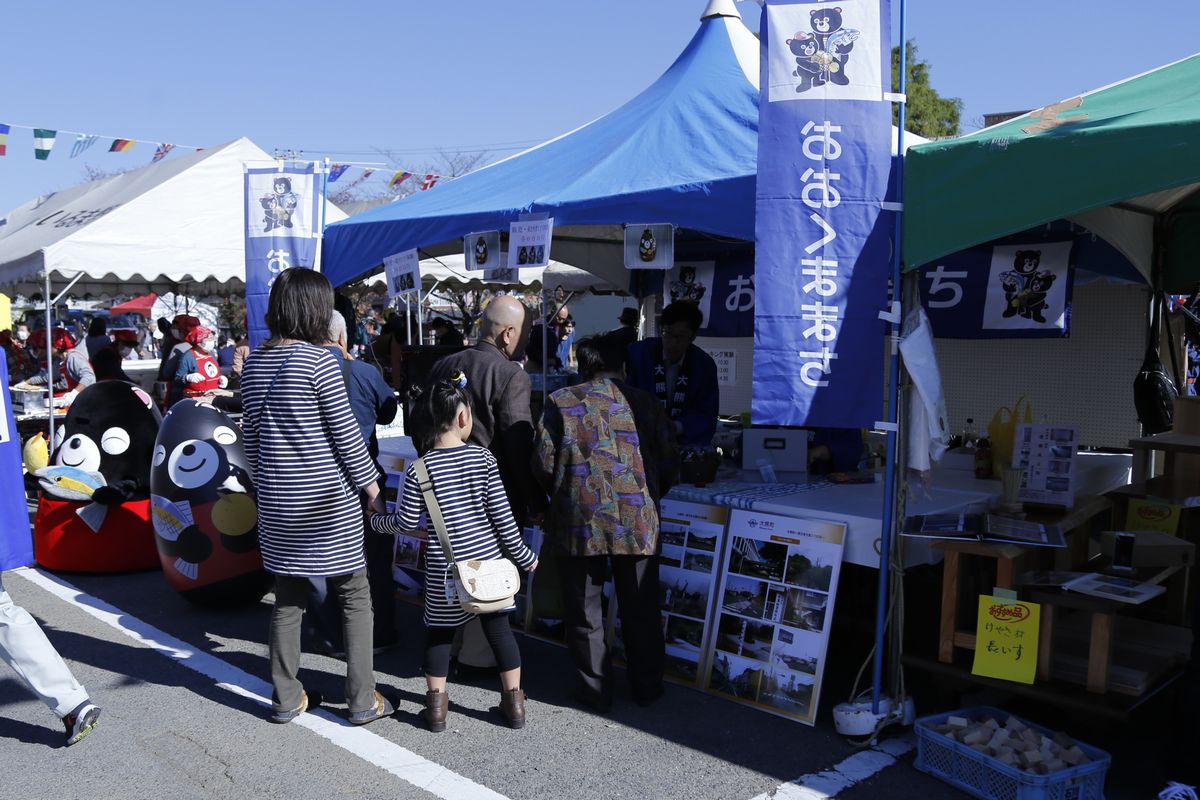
x=822, y=239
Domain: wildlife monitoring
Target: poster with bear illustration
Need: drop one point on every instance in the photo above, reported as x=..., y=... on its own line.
x=1028, y=287
x=826, y=51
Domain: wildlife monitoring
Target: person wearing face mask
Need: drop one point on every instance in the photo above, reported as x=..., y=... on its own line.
x=198, y=372
x=71, y=371
x=107, y=361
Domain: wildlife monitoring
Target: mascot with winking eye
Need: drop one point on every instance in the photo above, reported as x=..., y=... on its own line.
x=93, y=510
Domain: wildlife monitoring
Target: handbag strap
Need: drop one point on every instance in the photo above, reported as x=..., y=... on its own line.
x=431, y=505
x=1166, y=322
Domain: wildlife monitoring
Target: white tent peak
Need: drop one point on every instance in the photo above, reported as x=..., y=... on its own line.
x=181, y=220
x=720, y=8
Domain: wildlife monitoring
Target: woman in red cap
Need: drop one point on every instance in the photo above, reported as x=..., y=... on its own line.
x=73, y=371
x=198, y=372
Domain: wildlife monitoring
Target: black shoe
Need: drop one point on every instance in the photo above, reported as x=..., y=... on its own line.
x=593, y=701
x=649, y=697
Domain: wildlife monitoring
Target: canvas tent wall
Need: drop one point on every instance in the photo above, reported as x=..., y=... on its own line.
x=683, y=151
x=179, y=223
x=1120, y=160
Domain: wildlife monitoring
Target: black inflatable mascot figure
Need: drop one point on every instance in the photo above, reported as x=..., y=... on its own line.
x=205, y=518
x=94, y=509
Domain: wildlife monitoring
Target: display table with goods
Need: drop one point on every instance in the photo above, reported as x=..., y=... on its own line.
x=860, y=505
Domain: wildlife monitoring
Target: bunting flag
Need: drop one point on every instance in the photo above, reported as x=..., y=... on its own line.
x=400, y=177
x=429, y=181
x=367, y=173
x=122, y=145
x=3, y=139
x=43, y=142
x=82, y=142
x=336, y=171
x=161, y=152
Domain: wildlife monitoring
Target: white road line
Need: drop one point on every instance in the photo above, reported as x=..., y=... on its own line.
x=855, y=769
x=375, y=749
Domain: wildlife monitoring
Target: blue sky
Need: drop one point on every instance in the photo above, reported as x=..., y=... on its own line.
x=411, y=76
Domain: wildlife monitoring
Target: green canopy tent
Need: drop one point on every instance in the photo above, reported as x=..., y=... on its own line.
x=1122, y=161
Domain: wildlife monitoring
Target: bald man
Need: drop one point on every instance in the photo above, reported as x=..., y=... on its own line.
x=499, y=390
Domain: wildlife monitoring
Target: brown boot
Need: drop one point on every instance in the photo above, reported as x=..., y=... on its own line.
x=437, y=708
x=512, y=707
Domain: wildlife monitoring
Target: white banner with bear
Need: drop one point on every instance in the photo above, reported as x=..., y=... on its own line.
x=1028, y=287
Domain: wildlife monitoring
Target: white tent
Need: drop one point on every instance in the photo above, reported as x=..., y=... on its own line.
x=180, y=221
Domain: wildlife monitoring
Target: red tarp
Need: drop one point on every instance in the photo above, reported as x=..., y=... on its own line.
x=138, y=305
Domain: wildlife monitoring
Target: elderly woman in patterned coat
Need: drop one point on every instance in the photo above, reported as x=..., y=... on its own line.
x=602, y=512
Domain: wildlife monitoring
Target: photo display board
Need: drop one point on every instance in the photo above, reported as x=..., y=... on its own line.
x=774, y=610
x=692, y=549
x=1047, y=454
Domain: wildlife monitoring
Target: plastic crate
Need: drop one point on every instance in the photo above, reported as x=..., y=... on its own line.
x=983, y=776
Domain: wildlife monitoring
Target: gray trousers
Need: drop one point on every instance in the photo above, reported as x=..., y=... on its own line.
x=25, y=648
x=291, y=598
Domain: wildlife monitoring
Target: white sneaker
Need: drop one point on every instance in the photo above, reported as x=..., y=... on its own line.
x=79, y=723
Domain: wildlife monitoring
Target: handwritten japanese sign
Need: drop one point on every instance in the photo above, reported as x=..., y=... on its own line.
x=1006, y=639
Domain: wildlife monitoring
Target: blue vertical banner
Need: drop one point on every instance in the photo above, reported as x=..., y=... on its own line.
x=284, y=221
x=16, y=542
x=822, y=237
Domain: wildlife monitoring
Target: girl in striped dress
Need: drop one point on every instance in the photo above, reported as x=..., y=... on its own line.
x=479, y=524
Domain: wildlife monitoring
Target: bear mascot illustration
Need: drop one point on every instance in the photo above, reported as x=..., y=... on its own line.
x=834, y=43
x=93, y=510
x=1025, y=288
x=808, y=70
x=205, y=517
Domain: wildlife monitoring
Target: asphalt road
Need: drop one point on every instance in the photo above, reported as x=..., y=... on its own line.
x=169, y=731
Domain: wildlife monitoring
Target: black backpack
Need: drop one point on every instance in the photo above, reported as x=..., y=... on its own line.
x=1154, y=389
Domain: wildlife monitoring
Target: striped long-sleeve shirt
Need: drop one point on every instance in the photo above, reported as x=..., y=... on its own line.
x=479, y=522
x=308, y=459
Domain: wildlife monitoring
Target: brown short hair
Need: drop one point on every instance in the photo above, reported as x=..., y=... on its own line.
x=299, y=306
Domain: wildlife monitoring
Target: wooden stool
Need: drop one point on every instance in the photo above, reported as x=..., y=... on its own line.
x=950, y=636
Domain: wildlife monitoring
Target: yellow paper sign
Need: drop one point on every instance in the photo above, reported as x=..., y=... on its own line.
x=1152, y=515
x=1006, y=639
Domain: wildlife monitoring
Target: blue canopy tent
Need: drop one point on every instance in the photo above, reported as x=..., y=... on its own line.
x=683, y=151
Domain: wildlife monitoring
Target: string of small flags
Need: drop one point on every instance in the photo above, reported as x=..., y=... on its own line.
x=44, y=140
x=401, y=175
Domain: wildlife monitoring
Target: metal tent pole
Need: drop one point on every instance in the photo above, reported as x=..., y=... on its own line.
x=49, y=362
x=889, y=485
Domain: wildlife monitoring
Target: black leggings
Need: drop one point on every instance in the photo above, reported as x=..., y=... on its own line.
x=499, y=635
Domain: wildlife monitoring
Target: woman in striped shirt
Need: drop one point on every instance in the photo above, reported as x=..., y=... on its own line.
x=479, y=525
x=309, y=464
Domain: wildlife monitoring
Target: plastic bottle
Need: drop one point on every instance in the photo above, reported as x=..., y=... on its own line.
x=983, y=458
x=969, y=436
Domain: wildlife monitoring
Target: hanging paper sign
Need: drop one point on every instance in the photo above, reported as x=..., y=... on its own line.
x=283, y=222
x=481, y=250
x=529, y=243
x=774, y=612
x=1006, y=639
x=822, y=237
x=726, y=361
x=650, y=246
x=403, y=272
